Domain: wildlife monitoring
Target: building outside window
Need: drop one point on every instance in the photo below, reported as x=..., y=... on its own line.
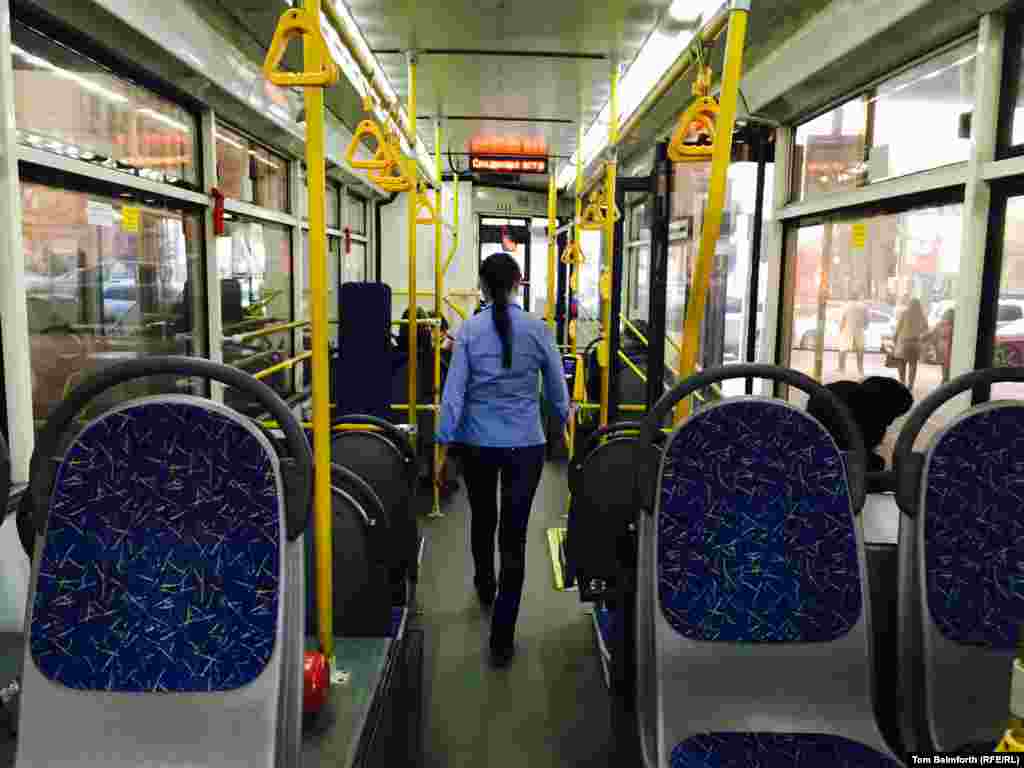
x=249, y=172
x=875, y=268
x=70, y=105
x=107, y=279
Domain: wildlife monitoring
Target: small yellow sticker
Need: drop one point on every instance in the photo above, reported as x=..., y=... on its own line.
x=130, y=218
x=860, y=234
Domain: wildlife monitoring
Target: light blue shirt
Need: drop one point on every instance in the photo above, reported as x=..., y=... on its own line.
x=489, y=406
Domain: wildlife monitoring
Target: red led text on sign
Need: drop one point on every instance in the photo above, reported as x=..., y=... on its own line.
x=509, y=164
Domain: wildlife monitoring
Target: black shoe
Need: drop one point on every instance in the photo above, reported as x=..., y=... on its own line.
x=501, y=656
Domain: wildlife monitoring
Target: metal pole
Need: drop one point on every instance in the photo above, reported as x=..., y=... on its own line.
x=661, y=213
x=611, y=170
x=317, y=179
x=721, y=156
x=552, y=247
x=413, y=194
x=438, y=305
x=615, y=326
x=574, y=270
x=755, y=254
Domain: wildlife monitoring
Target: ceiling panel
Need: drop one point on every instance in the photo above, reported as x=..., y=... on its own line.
x=551, y=87
x=568, y=26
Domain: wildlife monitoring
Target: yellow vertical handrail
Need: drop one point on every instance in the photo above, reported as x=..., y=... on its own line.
x=574, y=268
x=413, y=207
x=712, y=229
x=455, y=238
x=438, y=307
x=552, y=247
x=319, y=71
x=611, y=170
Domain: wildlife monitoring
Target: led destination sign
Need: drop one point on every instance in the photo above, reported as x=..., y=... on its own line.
x=509, y=164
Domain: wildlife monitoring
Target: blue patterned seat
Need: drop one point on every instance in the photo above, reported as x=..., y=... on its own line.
x=757, y=602
x=959, y=628
x=162, y=595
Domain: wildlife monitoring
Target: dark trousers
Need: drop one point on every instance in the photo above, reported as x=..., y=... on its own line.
x=520, y=470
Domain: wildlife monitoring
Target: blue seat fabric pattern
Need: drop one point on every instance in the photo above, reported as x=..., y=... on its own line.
x=755, y=534
x=161, y=565
x=775, y=750
x=974, y=529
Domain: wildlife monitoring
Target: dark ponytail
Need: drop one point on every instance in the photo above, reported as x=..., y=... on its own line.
x=499, y=273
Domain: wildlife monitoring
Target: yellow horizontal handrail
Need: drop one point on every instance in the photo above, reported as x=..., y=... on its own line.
x=632, y=366
x=289, y=363
x=253, y=358
x=334, y=428
x=632, y=407
x=458, y=310
x=405, y=406
x=636, y=332
x=470, y=294
x=270, y=331
x=227, y=330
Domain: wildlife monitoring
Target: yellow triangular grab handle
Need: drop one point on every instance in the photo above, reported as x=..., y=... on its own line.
x=592, y=218
x=389, y=182
x=703, y=112
x=382, y=159
x=296, y=23
x=423, y=204
x=573, y=254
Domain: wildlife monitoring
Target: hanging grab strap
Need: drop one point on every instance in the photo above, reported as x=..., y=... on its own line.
x=382, y=159
x=297, y=23
x=701, y=117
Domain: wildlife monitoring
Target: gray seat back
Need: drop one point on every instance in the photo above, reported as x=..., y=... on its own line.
x=962, y=580
x=162, y=587
x=758, y=602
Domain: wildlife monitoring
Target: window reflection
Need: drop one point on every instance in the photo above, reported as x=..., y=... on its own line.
x=917, y=120
x=70, y=105
x=869, y=297
x=249, y=172
x=255, y=269
x=106, y=280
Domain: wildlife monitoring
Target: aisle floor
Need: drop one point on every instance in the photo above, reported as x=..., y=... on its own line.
x=550, y=707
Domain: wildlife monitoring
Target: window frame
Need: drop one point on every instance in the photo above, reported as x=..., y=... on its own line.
x=46, y=25
x=58, y=178
x=954, y=195
x=792, y=186
x=286, y=160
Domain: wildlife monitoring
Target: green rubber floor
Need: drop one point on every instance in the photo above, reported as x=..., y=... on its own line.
x=550, y=707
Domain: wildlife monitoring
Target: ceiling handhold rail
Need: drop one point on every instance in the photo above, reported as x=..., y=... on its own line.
x=297, y=23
